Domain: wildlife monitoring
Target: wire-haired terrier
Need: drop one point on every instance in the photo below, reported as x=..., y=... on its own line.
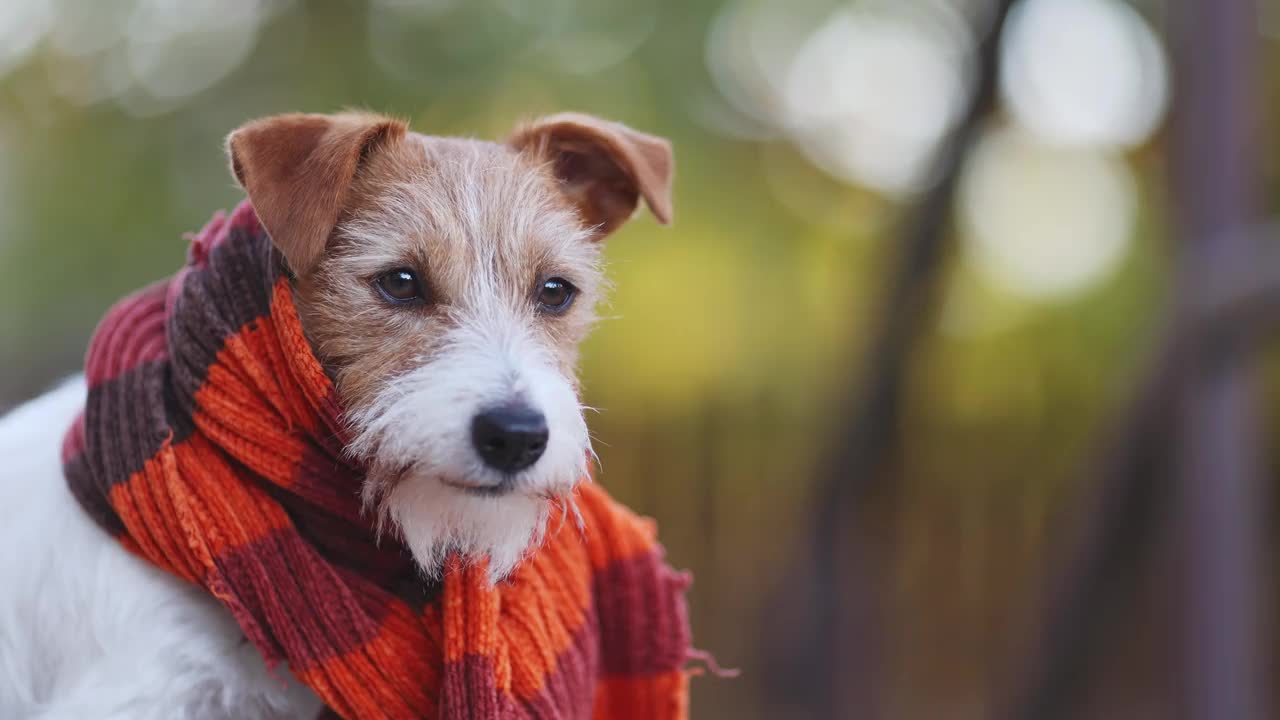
x=444, y=286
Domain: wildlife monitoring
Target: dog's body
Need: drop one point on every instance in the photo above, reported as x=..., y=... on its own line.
x=435, y=279
x=89, y=630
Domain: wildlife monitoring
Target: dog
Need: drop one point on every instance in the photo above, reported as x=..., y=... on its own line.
x=445, y=285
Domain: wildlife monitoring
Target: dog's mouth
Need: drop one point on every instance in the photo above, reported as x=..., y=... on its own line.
x=507, y=484
x=414, y=470
x=506, y=487
x=503, y=487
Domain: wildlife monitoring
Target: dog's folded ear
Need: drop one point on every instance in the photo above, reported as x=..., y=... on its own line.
x=297, y=170
x=603, y=167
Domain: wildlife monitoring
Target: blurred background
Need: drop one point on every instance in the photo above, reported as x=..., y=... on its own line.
x=804, y=134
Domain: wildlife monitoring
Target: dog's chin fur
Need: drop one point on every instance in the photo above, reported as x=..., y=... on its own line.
x=436, y=519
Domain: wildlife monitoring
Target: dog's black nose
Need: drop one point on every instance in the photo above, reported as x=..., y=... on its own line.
x=509, y=438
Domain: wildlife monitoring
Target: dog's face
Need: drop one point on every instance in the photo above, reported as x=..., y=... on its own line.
x=446, y=284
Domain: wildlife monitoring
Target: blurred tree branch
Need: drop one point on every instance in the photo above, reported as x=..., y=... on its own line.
x=838, y=614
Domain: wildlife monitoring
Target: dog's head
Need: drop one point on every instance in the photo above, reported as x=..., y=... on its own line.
x=446, y=284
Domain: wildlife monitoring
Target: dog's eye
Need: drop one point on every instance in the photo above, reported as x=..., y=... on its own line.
x=555, y=295
x=400, y=286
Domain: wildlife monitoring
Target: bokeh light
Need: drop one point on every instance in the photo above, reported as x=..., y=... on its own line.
x=865, y=93
x=871, y=92
x=87, y=27
x=1084, y=72
x=749, y=50
x=177, y=48
x=1042, y=221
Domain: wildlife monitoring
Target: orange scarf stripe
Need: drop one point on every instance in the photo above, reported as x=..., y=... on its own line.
x=620, y=533
x=135, y=502
x=219, y=518
x=665, y=695
x=268, y=453
x=254, y=356
x=337, y=682
x=310, y=377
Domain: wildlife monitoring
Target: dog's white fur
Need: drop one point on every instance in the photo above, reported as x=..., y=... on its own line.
x=88, y=630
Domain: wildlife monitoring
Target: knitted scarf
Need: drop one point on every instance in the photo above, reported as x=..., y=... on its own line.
x=212, y=446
